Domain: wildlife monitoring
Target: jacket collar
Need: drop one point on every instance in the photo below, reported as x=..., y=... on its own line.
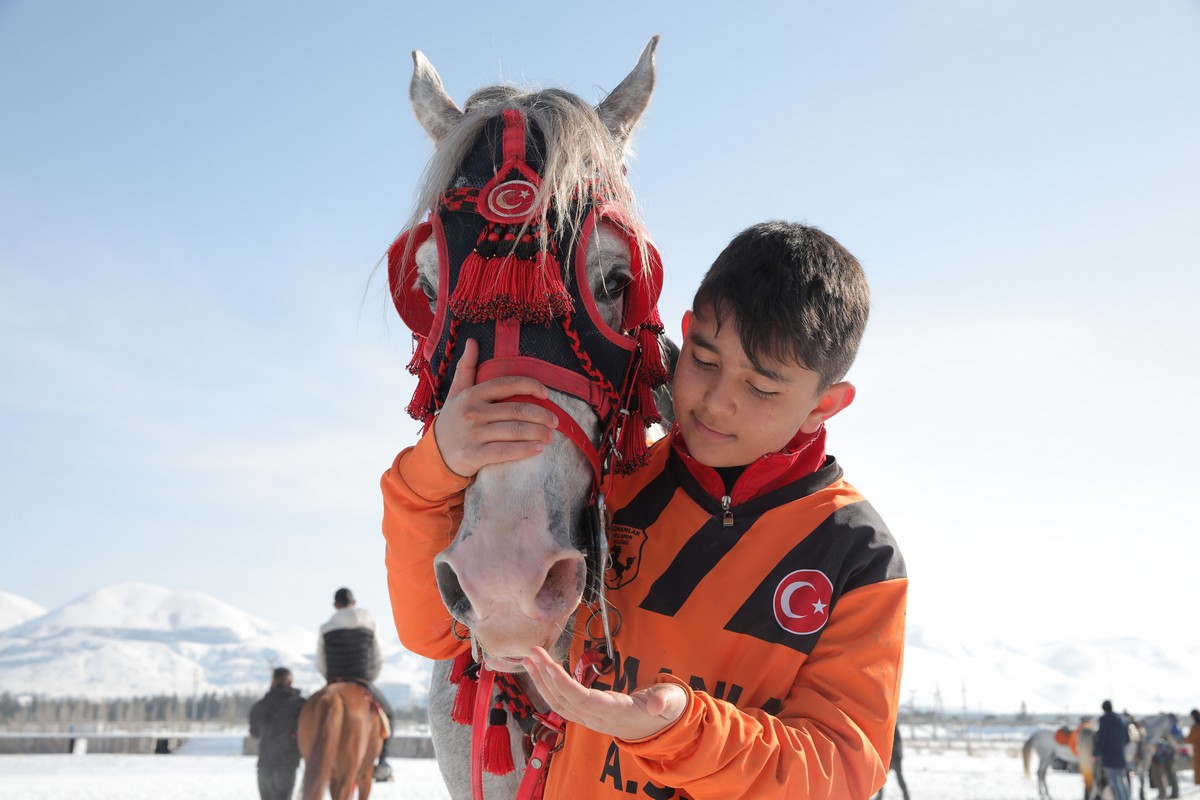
x=804, y=455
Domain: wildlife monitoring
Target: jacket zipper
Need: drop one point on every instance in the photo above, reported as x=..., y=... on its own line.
x=728, y=522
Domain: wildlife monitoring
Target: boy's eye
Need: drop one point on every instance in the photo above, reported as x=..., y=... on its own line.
x=703, y=364
x=760, y=392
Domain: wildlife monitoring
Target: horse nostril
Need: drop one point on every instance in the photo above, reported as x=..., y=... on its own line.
x=452, y=592
x=563, y=585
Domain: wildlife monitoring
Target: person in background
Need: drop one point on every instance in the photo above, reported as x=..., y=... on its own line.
x=1162, y=769
x=273, y=723
x=895, y=766
x=348, y=649
x=1193, y=739
x=1111, y=737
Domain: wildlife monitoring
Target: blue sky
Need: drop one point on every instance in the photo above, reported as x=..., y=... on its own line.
x=202, y=381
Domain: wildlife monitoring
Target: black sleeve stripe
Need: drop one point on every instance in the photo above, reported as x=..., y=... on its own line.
x=853, y=547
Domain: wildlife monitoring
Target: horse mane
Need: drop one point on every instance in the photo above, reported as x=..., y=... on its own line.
x=580, y=152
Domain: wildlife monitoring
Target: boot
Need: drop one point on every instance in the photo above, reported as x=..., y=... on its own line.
x=383, y=770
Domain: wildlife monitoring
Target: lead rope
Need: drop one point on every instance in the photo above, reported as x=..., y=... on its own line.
x=479, y=723
x=546, y=735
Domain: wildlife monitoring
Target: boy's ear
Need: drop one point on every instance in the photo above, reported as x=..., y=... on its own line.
x=832, y=400
x=687, y=322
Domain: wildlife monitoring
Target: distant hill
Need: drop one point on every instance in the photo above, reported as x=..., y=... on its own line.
x=1070, y=678
x=15, y=609
x=135, y=639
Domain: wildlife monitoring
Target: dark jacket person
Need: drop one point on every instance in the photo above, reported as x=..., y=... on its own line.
x=273, y=722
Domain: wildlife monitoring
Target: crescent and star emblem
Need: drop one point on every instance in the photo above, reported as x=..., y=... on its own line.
x=802, y=601
x=512, y=199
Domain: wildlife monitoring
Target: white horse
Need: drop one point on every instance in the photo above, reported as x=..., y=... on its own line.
x=1045, y=743
x=545, y=168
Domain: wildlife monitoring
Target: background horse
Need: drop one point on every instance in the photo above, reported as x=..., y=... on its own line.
x=1151, y=730
x=541, y=176
x=1045, y=743
x=340, y=734
x=1087, y=762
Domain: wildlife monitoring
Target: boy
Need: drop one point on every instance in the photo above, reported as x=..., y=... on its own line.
x=762, y=599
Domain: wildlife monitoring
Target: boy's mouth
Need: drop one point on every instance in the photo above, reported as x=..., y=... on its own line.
x=709, y=432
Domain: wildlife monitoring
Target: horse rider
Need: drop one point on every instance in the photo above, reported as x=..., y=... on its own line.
x=348, y=649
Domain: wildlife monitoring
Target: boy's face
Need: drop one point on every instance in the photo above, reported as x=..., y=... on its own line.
x=731, y=412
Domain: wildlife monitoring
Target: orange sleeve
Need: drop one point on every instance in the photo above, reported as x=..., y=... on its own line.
x=831, y=739
x=422, y=508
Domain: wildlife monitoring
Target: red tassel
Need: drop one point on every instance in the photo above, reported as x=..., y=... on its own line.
x=418, y=356
x=459, y=667
x=469, y=297
x=653, y=369
x=464, y=700
x=631, y=444
x=421, y=405
x=644, y=396
x=497, y=747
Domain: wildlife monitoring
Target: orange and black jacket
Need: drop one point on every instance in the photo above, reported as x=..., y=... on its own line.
x=782, y=615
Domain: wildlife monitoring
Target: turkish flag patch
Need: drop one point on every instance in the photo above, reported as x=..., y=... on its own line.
x=802, y=601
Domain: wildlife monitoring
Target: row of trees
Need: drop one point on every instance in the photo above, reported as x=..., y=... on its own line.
x=26, y=712
x=22, y=712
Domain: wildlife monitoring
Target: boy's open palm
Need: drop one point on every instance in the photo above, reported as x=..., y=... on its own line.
x=625, y=716
x=476, y=428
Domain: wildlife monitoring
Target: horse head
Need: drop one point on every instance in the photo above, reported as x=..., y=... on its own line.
x=532, y=247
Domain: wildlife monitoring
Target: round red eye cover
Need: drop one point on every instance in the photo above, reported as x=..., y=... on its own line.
x=410, y=301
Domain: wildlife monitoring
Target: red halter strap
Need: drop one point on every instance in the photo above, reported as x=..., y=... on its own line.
x=479, y=721
x=546, y=736
x=569, y=428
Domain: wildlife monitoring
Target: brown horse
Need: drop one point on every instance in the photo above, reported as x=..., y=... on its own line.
x=340, y=735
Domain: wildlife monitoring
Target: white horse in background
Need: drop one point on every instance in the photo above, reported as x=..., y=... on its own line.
x=1047, y=747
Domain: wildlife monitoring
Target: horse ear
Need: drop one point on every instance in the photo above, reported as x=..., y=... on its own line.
x=436, y=112
x=624, y=106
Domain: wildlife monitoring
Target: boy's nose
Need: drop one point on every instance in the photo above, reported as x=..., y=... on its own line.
x=719, y=399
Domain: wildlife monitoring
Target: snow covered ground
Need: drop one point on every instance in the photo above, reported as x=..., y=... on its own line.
x=993, y=774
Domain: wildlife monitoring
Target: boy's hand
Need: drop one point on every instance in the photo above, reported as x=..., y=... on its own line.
x=475, y=429
x=633, y=716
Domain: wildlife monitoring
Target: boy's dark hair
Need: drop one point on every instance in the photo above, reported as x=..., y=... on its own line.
x=796, y=295
x=1106, y=706
x=343, y=597
x=282, y=676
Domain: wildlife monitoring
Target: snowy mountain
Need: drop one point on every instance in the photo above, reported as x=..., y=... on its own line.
x=135, y=639
x=15, y=609
x=1068, y=678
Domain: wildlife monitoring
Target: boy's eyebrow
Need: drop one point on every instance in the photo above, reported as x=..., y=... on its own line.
x=771, y=374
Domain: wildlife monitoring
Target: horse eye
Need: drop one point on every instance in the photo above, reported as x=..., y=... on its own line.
x=617, y=282
x=427, y=289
